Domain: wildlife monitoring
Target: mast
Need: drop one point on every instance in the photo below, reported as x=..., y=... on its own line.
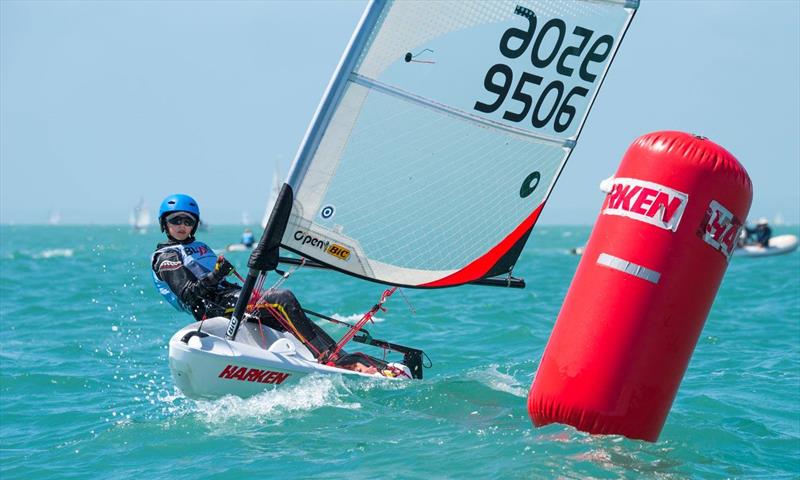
x=265, y=256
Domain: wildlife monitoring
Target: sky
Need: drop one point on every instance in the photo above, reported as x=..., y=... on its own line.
x=105, y=103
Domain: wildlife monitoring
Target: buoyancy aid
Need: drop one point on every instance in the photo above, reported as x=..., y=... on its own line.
x=198, y=257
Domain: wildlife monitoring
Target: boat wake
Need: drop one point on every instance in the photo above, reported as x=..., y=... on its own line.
x=311, y=393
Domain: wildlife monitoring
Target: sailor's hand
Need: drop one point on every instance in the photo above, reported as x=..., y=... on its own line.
x=223, y=268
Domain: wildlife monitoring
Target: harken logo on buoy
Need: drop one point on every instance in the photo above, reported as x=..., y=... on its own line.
x=647, y=202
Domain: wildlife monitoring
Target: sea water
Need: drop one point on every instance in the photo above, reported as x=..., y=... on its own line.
x=85, y=388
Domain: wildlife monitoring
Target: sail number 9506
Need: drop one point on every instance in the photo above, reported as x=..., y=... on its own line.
x=553, y=102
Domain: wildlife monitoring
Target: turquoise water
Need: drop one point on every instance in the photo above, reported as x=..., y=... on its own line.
x=85, y=390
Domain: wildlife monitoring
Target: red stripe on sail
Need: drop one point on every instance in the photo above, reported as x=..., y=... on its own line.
x=480, y=266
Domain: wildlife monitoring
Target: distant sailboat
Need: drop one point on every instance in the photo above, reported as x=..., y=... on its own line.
x=246, y=219
x=55, y=218
x=140, y=217
x=277, y=182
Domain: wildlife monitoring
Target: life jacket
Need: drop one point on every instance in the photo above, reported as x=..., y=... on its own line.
x=198, y=257
x=248, y=239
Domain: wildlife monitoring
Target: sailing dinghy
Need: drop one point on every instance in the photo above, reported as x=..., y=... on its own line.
x=140, y=217
x=427, y=164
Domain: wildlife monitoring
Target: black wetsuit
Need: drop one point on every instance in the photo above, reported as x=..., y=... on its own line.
x=204, y=293
x=761, y=234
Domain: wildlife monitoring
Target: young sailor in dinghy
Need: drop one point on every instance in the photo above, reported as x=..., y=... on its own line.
x=191, y=277
x=247, y=238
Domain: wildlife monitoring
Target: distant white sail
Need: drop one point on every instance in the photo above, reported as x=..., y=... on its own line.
x=443, y=132
x=54, y=218
x=277, y=181
x=140, y=216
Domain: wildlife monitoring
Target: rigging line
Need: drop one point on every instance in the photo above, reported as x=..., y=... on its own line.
x=237, y=275
x=425, y=102
x=260, y=328
x=409, y=57
x=258, y=288
x=279, y=314
x=367, y=317
x=286, y=275
x=410, y=307
x=256, y=296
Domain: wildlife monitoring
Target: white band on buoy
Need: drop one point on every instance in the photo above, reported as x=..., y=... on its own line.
x=630, y=268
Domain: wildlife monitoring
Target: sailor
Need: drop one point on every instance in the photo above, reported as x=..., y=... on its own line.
x=191, y=277
x=247, y=238
x=761, y=234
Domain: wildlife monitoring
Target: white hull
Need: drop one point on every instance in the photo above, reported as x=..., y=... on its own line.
x=210, y=366
x=777, y=246
x=237, y=247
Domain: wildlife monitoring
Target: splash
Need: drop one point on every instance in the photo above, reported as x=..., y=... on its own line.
x=311, y=393
x=501, y=382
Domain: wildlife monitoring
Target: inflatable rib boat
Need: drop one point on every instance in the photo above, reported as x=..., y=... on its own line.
x=777, y=246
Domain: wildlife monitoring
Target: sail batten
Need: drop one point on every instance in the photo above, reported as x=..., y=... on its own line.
x=443, y=132
x=381, y=87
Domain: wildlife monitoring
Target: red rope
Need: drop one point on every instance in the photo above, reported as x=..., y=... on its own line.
x=355, y=328
x=256, y=295
x=237, y=275
x=261, y=330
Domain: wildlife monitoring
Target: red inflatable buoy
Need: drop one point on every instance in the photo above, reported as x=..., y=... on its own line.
x=643, y=288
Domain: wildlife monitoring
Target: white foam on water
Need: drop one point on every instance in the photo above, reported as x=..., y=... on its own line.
x=55, y=252
x=311, y=393
x=501, y=382
x=355, y=317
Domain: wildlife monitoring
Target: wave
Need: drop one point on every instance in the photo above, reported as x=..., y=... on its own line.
x=55, y=252
x=493, y=378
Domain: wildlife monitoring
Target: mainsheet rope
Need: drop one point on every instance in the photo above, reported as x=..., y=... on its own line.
x=366, y=318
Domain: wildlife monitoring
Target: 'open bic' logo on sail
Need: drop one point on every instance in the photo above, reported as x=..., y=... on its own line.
x=338, y=251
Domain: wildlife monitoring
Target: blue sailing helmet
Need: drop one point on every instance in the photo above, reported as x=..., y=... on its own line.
x=178, y=203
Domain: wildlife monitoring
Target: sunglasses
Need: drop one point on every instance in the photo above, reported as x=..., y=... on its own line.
x=188, y=221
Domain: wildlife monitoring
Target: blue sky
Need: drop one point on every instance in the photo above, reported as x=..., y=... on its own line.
x=102, y=103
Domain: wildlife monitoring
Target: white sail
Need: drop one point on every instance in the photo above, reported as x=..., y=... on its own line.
x=277, y=181
x=140, y=216
x=54, y=218
x=443, y=132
